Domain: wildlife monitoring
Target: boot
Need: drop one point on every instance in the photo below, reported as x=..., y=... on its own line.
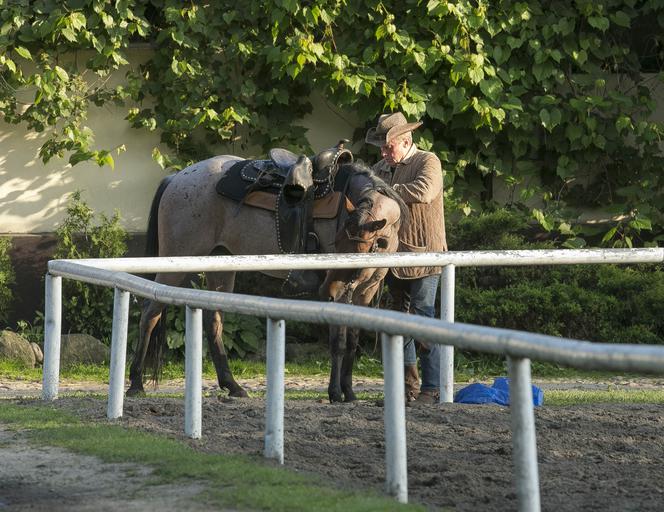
x=412, y=382
x=428, y=397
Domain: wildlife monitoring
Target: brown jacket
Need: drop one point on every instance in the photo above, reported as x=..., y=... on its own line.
x=418, y=179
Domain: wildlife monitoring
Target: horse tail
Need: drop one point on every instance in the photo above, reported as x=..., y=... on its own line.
x=152, y=235
x=153, y=356
x=153, y=359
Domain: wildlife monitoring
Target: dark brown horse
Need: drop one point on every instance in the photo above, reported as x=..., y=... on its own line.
x=189, y=218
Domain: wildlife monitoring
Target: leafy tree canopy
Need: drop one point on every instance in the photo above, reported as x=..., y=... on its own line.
x=545, y=99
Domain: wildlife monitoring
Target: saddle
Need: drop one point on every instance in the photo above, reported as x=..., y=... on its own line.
x=297, y=189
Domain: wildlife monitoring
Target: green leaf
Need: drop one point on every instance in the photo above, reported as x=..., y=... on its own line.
x=542, y=219
x=421, y=60
x=23, y=52
x=574, y=243
x=623, y=122
x=621, y=19
x=609, y=234
x=491, y=88
x=105, y=158
x=641, y=223
x=476, y=75
x=62, y=74
x=580, y=57
x=599, y=22
x=436, y=111
x=80, y=156
x=69, y=34
x=77, y=20
x=159, y=158
x=10, y=65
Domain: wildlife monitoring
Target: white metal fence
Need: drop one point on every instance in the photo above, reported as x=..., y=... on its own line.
x=518, y=347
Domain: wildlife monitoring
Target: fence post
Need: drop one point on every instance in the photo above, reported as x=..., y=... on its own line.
x=274, y=413
x=52, y=336
x=524, y=444
x=193, y=365
x=118, y=354
x=395, y=418
x=447, y=351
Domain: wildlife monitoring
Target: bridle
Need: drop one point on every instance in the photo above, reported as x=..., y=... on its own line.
x=373, y=240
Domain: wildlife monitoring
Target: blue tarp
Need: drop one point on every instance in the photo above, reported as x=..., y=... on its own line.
x=498, y=393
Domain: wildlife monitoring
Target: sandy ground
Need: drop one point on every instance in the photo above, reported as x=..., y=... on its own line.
x=591, y=457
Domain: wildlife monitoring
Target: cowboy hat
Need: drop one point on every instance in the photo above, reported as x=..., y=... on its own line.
x=389, y=127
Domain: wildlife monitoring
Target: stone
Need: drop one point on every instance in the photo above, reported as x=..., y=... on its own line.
x=83, y=349
x=39, y=355
x=15, y=347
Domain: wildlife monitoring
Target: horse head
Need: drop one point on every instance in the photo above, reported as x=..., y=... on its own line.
x=372, y=226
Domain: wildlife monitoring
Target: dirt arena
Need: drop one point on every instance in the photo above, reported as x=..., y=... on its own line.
x=591, y=457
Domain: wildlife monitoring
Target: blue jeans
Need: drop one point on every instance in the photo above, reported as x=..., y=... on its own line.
x=418, y=296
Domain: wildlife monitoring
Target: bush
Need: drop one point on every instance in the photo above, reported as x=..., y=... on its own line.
x=6, y=280
x=606, y=303
x=88, y=309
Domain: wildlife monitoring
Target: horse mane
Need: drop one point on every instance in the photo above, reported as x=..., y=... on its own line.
x=364, y=202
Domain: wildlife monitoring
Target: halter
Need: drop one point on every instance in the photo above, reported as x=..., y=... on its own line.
x=373, y=240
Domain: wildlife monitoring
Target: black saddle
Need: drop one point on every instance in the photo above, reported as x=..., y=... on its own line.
x=295, y=181
x=270, y=175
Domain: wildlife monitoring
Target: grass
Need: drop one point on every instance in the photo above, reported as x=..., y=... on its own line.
x=466, y=370
x=482, y=368
x=233, y=481
x=615, y=396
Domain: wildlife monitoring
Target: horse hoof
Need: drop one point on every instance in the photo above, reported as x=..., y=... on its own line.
x=335, y=398
x=350, y=397
x=135, y=392
x=238, y=393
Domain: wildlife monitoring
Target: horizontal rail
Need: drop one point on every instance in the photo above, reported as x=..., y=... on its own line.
x=518, y=344
x=335, y=261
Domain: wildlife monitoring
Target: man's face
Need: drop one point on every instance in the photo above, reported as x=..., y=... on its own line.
x=394, y=151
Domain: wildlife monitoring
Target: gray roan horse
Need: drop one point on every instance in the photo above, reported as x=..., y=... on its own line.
x=189, y=218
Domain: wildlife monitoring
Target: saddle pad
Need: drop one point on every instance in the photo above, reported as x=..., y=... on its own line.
x=326, y=207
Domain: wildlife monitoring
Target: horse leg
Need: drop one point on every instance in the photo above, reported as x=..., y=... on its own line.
x=347, y=365
x=214, y=322
x=150, y=316
x=337, y=349
x=361, y=297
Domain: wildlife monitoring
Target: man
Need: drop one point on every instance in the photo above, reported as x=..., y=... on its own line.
x=417, y=176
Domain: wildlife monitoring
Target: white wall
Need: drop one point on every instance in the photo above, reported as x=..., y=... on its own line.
x=33, y=195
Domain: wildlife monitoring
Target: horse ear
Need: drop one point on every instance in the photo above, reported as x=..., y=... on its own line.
x=349, y=206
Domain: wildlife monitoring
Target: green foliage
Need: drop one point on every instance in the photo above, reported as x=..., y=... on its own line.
x=607, y=303
x=6, y=280
x=34, y=331
x=549, y=101
x=243, y=334
x=55, y=61
x=88, y=309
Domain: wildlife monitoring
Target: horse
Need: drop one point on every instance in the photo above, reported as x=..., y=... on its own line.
x=189, y=218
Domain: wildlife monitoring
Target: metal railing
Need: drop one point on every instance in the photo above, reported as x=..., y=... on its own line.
x=519, y=347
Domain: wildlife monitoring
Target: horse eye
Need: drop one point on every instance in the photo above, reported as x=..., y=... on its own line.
x=382, y=243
